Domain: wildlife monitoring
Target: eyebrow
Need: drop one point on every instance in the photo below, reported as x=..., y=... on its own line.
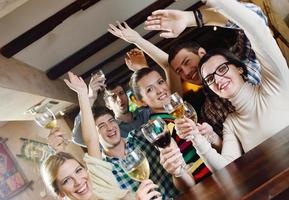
x=102, y=123
x=183, y=61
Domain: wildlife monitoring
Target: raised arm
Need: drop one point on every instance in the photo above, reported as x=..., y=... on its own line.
x=274, y=68
x=173, y=22
x=89, y=132
x=159, y=56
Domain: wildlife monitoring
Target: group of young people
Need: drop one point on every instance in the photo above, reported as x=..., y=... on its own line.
x=243, y=102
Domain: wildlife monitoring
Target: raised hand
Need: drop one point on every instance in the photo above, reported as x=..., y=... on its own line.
x=124, y=32
x=172, y=159
x=76, y=83
x=171, y=22
x=95, y=85
x=146, y=191
x=186, y=128
x=135, y=59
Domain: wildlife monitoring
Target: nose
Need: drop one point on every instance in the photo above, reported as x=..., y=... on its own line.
x=159, y=89
x=77, y=181
x=217, y=78
x=186, y=71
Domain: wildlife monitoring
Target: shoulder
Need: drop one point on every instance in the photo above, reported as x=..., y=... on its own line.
x=143, y=113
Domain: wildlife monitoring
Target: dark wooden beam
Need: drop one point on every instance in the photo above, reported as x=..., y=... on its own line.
x=115, y=56
x=38, y=31
x=106, y=39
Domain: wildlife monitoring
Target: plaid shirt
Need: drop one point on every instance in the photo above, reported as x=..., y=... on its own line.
x=158, y=174
x=215, y=109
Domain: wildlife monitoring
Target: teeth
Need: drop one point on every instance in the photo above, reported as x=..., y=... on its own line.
x=194, y=74
x=82, y=189
x=162, y=97
x=224, y=85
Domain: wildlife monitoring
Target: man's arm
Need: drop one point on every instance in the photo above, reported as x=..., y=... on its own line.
x=95, y=85
x=159, y=56
x=173, y=162
x=89, y=132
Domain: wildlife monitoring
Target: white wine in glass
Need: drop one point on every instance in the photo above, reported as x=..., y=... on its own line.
x=175, y=106
x=46, y=119
x=190, y=112
x=136, y=165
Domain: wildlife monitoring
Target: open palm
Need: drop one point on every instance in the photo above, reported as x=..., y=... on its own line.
x=76, y=83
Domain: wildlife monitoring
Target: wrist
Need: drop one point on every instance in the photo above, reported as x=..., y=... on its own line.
x=198, y=18
x=189, y=18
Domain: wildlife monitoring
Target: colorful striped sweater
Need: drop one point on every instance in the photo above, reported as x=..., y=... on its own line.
x=197, y=167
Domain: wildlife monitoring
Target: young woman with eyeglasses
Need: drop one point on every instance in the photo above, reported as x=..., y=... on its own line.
x=262, y=110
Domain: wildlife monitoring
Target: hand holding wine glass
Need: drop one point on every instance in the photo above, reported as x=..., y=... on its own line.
x=186, y=128
x=48, y=120
x=172, y=159
x=179, y=108
x=157, y=133
x=56, y=140
x=146, y=191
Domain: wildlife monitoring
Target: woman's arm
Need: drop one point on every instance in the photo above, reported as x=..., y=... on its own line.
x=159, y=56
x=274, y=68
x=231, y=148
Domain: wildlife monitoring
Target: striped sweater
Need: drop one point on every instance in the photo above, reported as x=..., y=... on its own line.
x=197, y=167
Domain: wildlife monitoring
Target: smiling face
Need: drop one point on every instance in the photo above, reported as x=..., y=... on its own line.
x=109, y=131
x=228, y=85
x=73, y=181
x=154, y=90
x=185, y=63
x=117, y=101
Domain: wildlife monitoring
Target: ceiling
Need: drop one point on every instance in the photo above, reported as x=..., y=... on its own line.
x=57, y=36
x=41, y=40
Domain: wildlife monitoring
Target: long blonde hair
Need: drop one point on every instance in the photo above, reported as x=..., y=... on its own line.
x=49, y=169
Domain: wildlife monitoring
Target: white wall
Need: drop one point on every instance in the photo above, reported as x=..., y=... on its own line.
x=13, y=131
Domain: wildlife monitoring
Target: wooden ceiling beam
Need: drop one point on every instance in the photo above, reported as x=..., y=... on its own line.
x=103, y=41
x=115, y=56
x=41, y=29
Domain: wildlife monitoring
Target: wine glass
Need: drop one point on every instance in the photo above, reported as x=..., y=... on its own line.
x=136, y=165
x=190, y=112
x=157, y=133
x=175, y=106
x=47, y=119
x=100, y=74
x=179, y=108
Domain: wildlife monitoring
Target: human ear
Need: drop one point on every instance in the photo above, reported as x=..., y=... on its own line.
x=201, y=52
x=240, y=70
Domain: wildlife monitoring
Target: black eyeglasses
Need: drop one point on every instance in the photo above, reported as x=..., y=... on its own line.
x=220, y=71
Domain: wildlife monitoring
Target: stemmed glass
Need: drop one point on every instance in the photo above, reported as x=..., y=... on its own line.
x=157, y=133
x=179, y=108
x=101, y=74
x=136, y=165
x=47, y=119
